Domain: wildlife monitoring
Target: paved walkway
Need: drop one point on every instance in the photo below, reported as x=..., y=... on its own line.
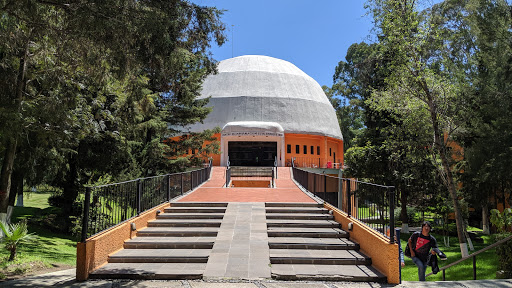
x=66, y=278
x=241, y=249
x=212, y=191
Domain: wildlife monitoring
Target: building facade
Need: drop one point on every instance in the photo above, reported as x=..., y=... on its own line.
x=270, y=111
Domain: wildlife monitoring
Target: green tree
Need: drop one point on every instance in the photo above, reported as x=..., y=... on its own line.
x=91, y=96
x=420, y=83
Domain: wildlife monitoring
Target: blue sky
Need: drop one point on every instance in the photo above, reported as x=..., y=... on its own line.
x=313, y=35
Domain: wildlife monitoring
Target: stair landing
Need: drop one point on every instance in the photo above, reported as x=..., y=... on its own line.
x=212, y=191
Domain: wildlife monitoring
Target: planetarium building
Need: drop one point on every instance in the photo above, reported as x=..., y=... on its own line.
x=269, y=110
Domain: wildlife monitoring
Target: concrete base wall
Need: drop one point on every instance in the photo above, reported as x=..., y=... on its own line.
x=384, y=255
x=94, y=253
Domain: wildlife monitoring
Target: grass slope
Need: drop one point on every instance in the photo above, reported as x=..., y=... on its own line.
x=49, y=252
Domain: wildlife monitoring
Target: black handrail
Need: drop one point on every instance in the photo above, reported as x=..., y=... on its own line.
x=374, y=204
x=106, y=206
x=471, y=256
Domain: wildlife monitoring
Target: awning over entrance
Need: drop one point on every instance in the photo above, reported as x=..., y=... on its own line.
x=252, y=128
x=252, y=143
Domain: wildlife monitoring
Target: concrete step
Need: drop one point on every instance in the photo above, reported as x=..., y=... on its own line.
x=298, y=210
x=195, y=210
x=178, y=231
x=311, y=243
x=342, y=273
x=190, y=216
x=170, y=243
x=306, y=232
x=277, y=204
x=198, y=204
x=302, y=223
x=160, y=256
x=300, y=216
x=185, y=223
x=150, y=271
x=324, y=257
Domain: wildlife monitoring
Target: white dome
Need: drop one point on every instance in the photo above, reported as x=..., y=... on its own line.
x=262, y=88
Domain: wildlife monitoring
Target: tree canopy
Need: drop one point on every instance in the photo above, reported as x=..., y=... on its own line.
x=93, y=87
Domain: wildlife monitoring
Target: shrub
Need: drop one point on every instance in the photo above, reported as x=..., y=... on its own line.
x=15, y=235
x=501, y=221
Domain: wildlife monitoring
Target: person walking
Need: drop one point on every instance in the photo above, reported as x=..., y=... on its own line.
x=420, y=245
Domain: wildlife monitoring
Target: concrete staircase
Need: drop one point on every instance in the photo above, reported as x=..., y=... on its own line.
x=307, y=244
x=174, y=246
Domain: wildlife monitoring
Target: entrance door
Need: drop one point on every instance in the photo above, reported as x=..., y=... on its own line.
x=242, y=153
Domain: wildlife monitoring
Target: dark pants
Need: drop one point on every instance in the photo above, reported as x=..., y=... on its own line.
x=422, y=267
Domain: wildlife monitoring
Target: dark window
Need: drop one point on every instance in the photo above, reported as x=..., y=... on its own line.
x=317, y=150
x=312, y=150
x=305, y=149
x=330, y=152
x=297, y=149
x=288, y=148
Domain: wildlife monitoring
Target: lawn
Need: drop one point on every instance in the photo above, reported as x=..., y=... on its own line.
x=51, y=251
x=487, y=262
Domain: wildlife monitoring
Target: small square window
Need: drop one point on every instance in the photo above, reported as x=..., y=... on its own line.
x=297, y=149
x=305, y=149
x=288, y=148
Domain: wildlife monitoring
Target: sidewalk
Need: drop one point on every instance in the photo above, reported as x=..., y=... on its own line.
x=66, y=278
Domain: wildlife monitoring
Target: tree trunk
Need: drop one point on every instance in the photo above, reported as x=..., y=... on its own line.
x=440, y=146
x=403, y=213
x=13, y=254
x=10, y=147
x=70, y=191
x=5, y=177
x=485, y=219
x=439, y=142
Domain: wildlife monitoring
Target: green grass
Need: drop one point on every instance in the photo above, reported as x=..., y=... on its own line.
x=487, y=262
x=49, y=250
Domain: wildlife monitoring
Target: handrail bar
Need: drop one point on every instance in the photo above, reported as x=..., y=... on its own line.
x=474, y=254
x=351, y=179
x=144, y=178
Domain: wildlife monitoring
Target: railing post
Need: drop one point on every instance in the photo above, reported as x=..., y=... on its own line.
x=400, y=253
x=85, y=219
x=139, y=196
x=340, y=189
x=349, y=205
x=474, y=267
x=314, y=184
x=325, y=187
x=181, y=179
x=168, y=188
x=391, y=191
x=191, y=181
x=444, y=275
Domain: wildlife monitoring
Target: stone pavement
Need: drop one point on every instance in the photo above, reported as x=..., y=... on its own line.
x=66, y=278
x=240, y=250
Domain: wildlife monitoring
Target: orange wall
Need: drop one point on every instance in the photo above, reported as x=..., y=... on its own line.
x=94, y=253
x=325, y=143
x=384, y=255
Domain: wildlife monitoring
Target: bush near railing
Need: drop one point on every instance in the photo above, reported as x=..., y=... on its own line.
x=370, y=203
x=108, y=205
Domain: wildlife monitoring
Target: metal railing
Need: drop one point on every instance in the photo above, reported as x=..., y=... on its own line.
x=108, y=205
x=228, y=176
x=315, y=162
x=370, y=203
x=473, y=256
